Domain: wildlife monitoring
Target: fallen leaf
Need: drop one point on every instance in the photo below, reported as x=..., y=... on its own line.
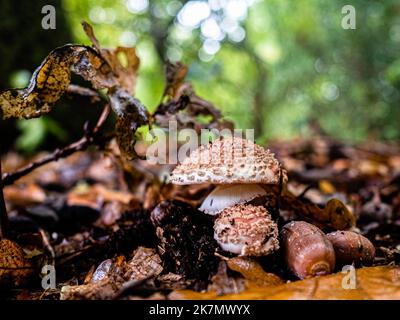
x=24, y=194
x=334, y=214
x=52, y=78
x=111, y=276
x=252, y=271
x=96, y=195
x=375, y=283
x=222, y=283
x=144, y=264
x=15, y=269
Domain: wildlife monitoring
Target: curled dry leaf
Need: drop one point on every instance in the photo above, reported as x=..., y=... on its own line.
x=113, y=69
x=371, y=283
x=252, y=271
x=14, y=267
x=103, y=289
x=123, y=61
x=334, y=215
x=52, y=78
x=111, y=276
x=131, y=114
x=183, y=105
x=144, y=264
x=222, y=283
x=175, y=77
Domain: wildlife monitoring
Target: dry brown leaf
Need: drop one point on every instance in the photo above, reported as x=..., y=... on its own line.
x=334, y=215
x=24, y=194
x=14, y=267
x=175, y=76
x=122, y=60
x=372, y=283
x=145, y=263
x=183, y=105
x=52, y=78
x=94, y=196
x=252, y=271
x=131, y=114
x=222, y=283
x=110, y=276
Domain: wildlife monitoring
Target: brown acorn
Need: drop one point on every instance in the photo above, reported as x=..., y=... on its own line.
x=351, y=247
x=307, y=250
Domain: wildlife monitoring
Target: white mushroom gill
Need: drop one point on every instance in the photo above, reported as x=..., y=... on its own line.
x=225, y=196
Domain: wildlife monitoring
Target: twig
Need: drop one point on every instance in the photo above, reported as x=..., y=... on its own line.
x=47, y=246
x=3, y=211
x=84, y=92
x=88, y=138
x=131, y=287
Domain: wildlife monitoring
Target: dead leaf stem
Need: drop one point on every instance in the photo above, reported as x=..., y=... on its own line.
x=90, y=137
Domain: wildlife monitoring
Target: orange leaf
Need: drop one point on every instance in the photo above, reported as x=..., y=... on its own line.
x=371, y=283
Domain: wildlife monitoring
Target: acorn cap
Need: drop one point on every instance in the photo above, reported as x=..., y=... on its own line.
x=246, y=230
x=229, y=160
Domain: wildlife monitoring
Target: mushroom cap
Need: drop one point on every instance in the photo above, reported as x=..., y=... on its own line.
x=246, y=230
x=229, y=160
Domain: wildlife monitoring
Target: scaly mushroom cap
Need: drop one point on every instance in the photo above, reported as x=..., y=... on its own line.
x=226, y=161
x=246, y=230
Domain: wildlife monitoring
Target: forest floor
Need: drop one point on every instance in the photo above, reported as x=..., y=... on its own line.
x=90, y=219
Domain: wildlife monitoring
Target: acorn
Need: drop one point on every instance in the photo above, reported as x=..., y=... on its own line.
x=351, y=248
x=307, y=250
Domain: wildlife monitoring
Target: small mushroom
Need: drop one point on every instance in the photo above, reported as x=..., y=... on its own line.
x=246, y=230
x=238, y=167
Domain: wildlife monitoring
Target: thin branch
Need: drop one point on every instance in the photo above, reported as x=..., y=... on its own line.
x=89, y=138
x=74, y=89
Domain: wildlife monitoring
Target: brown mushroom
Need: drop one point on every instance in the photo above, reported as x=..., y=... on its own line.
x=237, y=166
x=229, y=160
x=246, y=230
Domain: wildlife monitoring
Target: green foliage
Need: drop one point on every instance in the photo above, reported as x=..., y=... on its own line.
x=34, y=132
x=295, y=66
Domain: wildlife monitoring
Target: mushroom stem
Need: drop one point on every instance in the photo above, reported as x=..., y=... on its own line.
x=4, y=224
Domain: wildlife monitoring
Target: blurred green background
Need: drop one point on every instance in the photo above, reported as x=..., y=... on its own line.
x=284, y=67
